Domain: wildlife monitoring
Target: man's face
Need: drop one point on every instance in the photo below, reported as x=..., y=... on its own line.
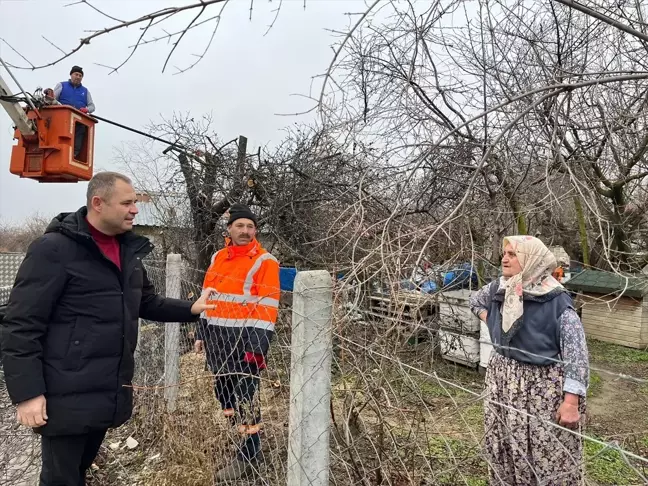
x=118, y=210
x=76, y=78
x=242, y=231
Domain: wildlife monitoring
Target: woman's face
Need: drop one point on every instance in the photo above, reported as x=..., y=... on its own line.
x=510, y=264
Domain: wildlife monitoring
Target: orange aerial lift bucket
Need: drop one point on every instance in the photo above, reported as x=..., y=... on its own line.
x=48, y=155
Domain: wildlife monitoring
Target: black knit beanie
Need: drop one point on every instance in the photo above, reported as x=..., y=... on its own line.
x=238, y=211
x=76, y=69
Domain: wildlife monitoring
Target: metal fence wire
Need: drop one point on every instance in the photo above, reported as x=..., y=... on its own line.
x=361, y=387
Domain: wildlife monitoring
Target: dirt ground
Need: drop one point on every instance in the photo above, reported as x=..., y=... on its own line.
x=617, y=413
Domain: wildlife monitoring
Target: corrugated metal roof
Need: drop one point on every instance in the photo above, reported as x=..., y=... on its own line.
x=4, y=295
x=9, y=263
x=598, y=282
x=166, y=211
x=148, y=215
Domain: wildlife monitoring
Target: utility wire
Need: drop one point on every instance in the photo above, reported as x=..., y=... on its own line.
x=139, y=132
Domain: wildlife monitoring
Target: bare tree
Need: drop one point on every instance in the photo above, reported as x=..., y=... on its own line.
x=154, y=27
x=17, y=238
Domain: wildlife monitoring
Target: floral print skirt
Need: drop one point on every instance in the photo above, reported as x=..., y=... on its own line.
x=522, y=449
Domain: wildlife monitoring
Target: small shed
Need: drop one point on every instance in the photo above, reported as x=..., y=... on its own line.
x=614, y=308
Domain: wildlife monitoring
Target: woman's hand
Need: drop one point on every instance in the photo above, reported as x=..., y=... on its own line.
x=568, y=414
x=483, y=315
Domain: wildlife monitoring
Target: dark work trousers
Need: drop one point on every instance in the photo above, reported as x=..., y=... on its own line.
x=236, y=396
x=80, y=132
x=67, y=457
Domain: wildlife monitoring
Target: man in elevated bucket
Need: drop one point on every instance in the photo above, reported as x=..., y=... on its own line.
x=73, y=93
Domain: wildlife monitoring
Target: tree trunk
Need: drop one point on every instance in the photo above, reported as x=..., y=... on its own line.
x=582, y=230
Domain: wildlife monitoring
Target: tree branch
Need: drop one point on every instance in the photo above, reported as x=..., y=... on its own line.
x=167, y=12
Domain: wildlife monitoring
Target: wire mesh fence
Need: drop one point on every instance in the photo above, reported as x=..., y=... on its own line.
x=387, y=388
x=199, y=436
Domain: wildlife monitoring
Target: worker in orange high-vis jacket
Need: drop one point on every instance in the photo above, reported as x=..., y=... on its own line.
x=236, y=334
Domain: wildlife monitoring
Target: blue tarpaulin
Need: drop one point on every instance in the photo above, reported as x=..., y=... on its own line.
x=287, y=278
x=429, y=287
x=461, y=276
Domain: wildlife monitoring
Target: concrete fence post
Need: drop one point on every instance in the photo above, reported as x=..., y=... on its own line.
x=172, y=334
x=310, y=380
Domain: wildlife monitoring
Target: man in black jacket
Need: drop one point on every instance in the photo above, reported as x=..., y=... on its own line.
x=69, y=336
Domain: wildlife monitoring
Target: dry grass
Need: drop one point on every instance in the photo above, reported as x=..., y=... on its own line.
x=393, y=424
x=197, y=440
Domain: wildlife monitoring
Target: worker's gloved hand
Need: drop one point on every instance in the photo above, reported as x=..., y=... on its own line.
x=83, y=110
x=257, y=359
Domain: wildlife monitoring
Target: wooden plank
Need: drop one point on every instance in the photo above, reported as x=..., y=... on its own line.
x=611, y=320
x=644, y=323
x=586, y=298
x=613, y=331
x=608, y=305
x=631, y=338
x=604, y=309
x=630, y=335
x=631, y=326
x=612, y=326
x=611, y=316
x=614, y=340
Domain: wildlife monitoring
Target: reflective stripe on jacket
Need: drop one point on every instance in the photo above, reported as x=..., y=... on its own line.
x=246, y=280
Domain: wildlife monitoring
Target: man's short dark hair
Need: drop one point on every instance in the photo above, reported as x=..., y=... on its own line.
x=102, y=185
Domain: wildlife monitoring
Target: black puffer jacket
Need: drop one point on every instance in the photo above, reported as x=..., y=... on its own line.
x=3, y=311
x=71, y=326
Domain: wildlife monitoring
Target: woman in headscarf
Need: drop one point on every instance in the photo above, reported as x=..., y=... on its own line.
x=538, y=374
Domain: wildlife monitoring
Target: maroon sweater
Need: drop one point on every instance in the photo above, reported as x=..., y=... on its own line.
x=109, y=245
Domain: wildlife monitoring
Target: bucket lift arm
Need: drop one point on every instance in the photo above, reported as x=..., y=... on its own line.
x=15, y=111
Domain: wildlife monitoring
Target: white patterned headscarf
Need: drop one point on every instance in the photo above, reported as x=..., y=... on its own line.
x=535, y=279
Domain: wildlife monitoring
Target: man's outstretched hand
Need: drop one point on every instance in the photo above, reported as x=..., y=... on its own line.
x=32, y=413
x=199, y=347
x=201, y=304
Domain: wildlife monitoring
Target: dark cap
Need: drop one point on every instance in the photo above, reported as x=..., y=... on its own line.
x=238, y=211
x=76, y=69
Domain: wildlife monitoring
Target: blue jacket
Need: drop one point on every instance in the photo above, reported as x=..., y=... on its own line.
x=76, y=96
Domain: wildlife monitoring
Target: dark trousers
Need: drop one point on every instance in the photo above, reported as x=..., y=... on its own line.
x=236, y=396
x=80, y=132
x=67, y=457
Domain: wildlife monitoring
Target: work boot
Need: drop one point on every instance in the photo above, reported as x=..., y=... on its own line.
x=237, y=469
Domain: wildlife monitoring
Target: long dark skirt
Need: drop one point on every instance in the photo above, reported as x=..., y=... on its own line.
x=521, y=447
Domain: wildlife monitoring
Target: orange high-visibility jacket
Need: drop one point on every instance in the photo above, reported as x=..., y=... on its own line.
x=246, y=280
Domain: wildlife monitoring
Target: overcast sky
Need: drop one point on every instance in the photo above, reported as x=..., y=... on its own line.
x=244, y=80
